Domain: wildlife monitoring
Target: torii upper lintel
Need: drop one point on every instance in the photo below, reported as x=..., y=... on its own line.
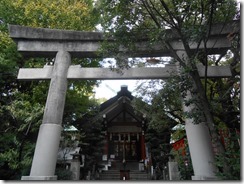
x=43, y=42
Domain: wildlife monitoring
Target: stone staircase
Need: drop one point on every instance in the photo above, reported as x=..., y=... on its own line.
x=138, y=175
x=135, y=172
x=115, y=175
x=110, y=175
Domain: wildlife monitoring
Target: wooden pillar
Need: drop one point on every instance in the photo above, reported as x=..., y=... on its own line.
x=143, y=148
x=45, y=156
x=105, y=151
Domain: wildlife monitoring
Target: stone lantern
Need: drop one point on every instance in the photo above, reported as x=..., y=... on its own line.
x=75, y=166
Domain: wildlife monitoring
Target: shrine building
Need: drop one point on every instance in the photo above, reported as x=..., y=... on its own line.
x=124, y=130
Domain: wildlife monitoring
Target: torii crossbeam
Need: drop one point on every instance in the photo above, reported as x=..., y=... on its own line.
x=61, y=44
x=76, y=72
x=43, y=42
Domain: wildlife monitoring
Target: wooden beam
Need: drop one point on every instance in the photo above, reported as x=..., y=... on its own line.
x=76, y=72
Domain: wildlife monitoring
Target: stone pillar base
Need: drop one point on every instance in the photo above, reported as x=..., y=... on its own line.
x=174, y=173
x=209, y=178
x=46, y=152
x=39, y=178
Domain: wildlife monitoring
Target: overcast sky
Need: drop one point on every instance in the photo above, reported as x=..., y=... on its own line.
x=109, y=88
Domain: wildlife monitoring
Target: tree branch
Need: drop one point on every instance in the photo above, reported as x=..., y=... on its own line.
x=146, y=5
x=160, y=15
x=169, y=13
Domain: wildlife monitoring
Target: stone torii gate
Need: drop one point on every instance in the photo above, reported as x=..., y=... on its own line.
x=39, y=42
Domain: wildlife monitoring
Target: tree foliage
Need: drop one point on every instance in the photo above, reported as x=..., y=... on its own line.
x=74, y=14
x=22, y=103
x=216, y=101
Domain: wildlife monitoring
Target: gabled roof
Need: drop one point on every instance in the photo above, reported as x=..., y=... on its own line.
x=119, y=109
x=122, y=93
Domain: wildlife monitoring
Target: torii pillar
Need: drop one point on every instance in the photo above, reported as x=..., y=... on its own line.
x=199, y=141
x=45, y=156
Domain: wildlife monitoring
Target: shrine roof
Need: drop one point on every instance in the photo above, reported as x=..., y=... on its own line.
x=119, y=109
x=122, y=93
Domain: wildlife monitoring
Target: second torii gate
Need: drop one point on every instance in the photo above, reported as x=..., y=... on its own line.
x=63, y=45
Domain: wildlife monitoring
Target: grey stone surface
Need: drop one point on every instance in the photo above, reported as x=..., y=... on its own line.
x=200, y=147
x=199, y=139
x=75, y=169
x=76, y=73
x=45, y=156
x=174, y=173
x=54, y=108
x=24, y=32
x=84, y=49
x=207, y=178
x=39, y=42
x=46, y=151
x=34, y=178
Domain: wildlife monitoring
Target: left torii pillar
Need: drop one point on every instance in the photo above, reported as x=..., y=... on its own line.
x=45, y=156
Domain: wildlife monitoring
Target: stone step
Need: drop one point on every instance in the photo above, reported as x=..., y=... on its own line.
x=110, y=175
x=138, y=175
x=129, y=165
x=115, y=175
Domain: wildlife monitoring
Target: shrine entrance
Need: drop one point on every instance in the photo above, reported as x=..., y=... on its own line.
x=124, y=149
x=124, y=129
x=62, y=45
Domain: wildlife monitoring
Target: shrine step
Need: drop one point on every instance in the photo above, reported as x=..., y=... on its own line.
x=138, y=175
x=115, y=175
x=129, y=165
x=110, y=175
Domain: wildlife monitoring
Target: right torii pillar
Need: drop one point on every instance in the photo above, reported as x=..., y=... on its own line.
x=201, y=149
x=200, y=144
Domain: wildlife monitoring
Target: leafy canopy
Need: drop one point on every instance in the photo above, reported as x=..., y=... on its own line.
x=22, y=103
x=214, y=99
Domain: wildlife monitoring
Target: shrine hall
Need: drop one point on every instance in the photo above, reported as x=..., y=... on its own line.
x=124, y=130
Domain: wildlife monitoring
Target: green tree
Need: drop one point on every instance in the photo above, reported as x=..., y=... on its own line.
x=74, y=14
x=93, y=142
x=164, y=112
x=192, y=21
x=22, y=103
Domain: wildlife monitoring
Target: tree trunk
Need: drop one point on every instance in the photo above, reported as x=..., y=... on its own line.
x=207, y=112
